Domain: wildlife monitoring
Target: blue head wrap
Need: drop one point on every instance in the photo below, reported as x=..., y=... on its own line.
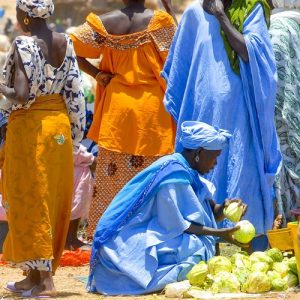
x=197, y=135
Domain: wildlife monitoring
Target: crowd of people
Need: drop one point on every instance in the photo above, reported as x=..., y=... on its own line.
x=187, y=119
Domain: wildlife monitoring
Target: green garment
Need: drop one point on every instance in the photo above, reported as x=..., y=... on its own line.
x=237, y=13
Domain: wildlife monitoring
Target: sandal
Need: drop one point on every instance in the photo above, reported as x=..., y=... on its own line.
x=28, y=294
x=11, y=287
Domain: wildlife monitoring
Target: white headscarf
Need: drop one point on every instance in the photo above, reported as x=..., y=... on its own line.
x=286, y=9
x=37, y=8
x=286, y=4
x=197, y=135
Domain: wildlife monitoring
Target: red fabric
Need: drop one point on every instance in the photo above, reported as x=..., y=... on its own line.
x=75, y=258
x=2, y=263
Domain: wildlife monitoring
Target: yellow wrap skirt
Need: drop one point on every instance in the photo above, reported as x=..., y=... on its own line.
x=38, y=181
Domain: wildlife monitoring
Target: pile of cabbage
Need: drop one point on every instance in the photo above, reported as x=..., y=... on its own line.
x=258, y=273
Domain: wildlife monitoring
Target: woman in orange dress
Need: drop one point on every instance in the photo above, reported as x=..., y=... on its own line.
x=130, y=123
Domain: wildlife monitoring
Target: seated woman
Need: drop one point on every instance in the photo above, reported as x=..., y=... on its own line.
x=163, y=221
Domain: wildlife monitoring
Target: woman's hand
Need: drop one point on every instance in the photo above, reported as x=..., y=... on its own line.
x=213, y=7
x=104, y=78
x=227, y=234
x=240, y=203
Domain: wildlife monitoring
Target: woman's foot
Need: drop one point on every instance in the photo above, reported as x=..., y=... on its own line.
x=45, y=288
x=76, y=244
x=278, y=222
x=32, y=279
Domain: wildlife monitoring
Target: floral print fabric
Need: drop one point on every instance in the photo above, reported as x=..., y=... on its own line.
x=40, y=265
x=285, y=36
x=44, y=79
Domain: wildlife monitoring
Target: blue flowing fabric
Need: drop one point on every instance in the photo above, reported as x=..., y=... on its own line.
x=140, y=243
x=203, y=87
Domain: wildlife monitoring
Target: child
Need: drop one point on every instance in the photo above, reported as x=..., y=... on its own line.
x=84, y=165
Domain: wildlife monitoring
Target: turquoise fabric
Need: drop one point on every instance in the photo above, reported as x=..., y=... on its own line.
x=203, y=87
x=196, y=135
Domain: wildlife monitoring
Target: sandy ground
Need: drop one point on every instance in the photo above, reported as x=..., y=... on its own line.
x=70, y=288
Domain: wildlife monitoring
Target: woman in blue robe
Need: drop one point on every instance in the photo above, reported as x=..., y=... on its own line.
x=221, y=71
x=163, y=221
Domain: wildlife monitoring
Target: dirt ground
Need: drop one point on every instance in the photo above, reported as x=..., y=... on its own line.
x=70, y=288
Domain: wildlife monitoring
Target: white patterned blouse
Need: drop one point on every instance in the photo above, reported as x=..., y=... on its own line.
x=44, y=79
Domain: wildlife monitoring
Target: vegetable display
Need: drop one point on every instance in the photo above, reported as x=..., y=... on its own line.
x=260, y=272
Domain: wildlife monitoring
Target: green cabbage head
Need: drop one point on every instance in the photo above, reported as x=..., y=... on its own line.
x=218, y=264
x=281, y=267
x=259, y=256
x=257, y=282
x=279, y=284
x=273, y=275
x=241, y=274
x=275, y=254
x=240, y=260
x=292, y=263
x=260, y=266
x=225, y=282
x=233, y=212
x=246, y=233
x=198, y=273
x=291, y=279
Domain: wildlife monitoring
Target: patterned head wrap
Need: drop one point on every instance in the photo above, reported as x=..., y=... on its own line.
x=197, y=135
x=37, y=8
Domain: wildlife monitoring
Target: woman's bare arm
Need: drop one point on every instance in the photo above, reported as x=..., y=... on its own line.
x=169, y=9
x=223, y=233
x=103, y=78
x=235, y=38
x=87, y=67
x=19, y=93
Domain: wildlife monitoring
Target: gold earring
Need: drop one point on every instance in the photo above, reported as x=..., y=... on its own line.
x=26, y=21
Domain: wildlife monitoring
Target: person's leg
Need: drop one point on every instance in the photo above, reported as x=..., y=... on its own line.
x=72, y=242
x=3, y=233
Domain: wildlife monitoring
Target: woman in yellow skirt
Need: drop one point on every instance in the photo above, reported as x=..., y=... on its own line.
x=46, y=112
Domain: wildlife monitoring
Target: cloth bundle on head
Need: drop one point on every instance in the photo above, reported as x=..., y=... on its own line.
x=197, y=135
x=37, y=8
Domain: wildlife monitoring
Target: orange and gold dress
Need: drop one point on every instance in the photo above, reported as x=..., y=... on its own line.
x=131, y=125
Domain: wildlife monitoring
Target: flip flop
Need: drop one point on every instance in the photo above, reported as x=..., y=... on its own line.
x=28, y=294
x=11, y=287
